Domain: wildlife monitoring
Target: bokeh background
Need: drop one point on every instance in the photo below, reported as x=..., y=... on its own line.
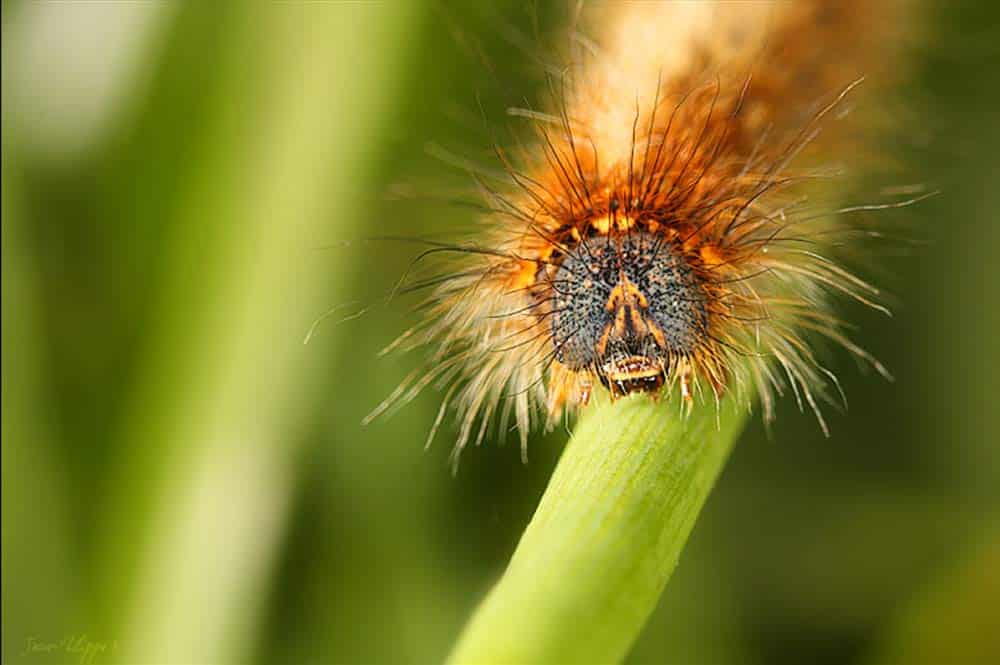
x=188, y=186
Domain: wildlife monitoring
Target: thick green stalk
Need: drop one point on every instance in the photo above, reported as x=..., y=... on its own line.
x=607, y=534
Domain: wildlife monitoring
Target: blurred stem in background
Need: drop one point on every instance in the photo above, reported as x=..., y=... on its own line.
x=37, y=568
x=954, y=619
x=203, y=465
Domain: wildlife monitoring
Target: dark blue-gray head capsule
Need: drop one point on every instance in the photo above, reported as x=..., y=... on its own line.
x=626, y=308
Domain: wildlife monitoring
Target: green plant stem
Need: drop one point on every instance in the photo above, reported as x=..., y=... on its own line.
x=281, y=158
x=606, y=537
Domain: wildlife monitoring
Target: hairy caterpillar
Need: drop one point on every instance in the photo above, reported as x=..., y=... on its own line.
x=657, y=233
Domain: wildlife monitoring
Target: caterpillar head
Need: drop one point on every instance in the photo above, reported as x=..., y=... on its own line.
x=627, y=308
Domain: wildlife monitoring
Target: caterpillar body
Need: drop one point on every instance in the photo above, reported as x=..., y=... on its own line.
x=657, y=234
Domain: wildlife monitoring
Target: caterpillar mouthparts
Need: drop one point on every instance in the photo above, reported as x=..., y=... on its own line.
x=658, y=232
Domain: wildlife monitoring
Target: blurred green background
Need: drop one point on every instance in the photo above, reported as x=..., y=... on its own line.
x=187, y=186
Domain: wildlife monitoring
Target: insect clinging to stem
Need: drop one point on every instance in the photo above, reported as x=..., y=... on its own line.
x=659, y=232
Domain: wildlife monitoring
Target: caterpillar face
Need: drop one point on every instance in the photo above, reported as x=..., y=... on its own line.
x=626, y=308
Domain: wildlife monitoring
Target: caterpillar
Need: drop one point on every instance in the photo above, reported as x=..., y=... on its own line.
x=659, y=232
